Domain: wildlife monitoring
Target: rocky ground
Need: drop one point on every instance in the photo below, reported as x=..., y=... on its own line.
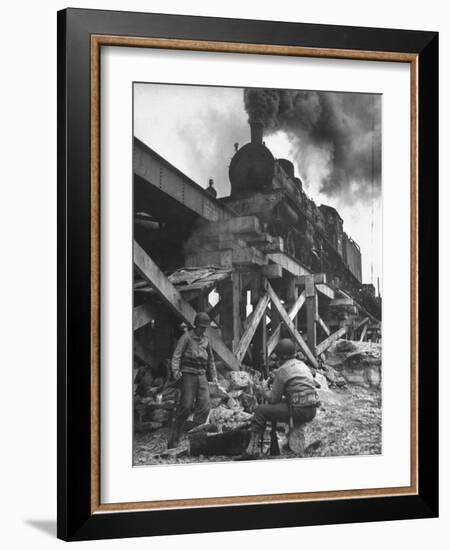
x=348, y=423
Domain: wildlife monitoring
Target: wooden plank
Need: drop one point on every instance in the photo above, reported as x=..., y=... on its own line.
x=361, y=323
x=220, y=258
x=236, y=308
x=323, y=325
x=288, y=263
x=342, y=302
x=311, y=312
x=213, y=311
x=275, y=336
x=142, y=315
x=290, y=326
x=290, y=294
x=326, y=290
x=252, y=325
x=249, y=225
x=325, y=344
x=319, y=278
x=250, y=255
x=165, y=289
x=277, y=245
x=272, y=271
x=363, y=333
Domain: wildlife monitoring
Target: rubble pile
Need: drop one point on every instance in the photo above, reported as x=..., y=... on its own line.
x=233, y=400
x=348, y=368
x=357, y=363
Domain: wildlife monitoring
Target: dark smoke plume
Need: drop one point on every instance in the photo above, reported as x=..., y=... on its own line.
x=338, y=135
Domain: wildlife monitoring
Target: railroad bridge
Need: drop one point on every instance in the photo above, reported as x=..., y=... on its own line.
x=192, y=253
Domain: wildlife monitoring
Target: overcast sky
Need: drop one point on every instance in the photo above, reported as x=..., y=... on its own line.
x=195, y=128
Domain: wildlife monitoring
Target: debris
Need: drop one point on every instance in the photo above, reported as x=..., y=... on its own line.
x=345, y=346
x=216, y=390
x=249, y=402
x=356, y=363
x=216, y=401
x=220, y=415
x=239, y=380
x=232, y=403
x=320, y=378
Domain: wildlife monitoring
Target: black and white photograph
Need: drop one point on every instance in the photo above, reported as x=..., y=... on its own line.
x=257, y=274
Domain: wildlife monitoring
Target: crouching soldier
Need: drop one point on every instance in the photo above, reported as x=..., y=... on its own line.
x=192, y=363
x=292, y=397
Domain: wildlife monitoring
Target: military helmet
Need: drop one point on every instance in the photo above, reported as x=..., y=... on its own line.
x=285, y=348
x=202, y=320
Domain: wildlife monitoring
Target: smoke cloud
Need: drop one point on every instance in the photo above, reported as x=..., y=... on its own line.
x=208, y=141
x=335, y=137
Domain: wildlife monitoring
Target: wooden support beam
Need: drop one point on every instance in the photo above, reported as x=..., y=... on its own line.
x=252, y=325
x=227, y=258
x=142, y=315
x=143, y=354
x=166, y=290
x=288, y=263
x=319, y=278
x=342, y=302
x=247, y=225
x=290, y=294
x=275, y=246
x=260, y=346
x=223, y=258
x=363, y=333
x=326, y=290
x=361, y=323
x=236, y=308
x=249, y=255
x=259, y=351
x=293, y=312
x=325, y=344
x=311, y=312
x=324, y=327
x=213, y=311
x=202, y=302
x=290, y=326
x=272, y=271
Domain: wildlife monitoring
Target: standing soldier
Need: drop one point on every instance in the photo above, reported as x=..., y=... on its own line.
x=293, y=396
x=192, y=362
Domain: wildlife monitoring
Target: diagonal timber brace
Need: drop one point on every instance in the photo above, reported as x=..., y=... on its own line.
x=252, y=325
x=325, y=344
x=275, y=337
x=166, y=290
x=290, y=325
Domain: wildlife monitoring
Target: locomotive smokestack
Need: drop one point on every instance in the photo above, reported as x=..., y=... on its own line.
x=256, y=132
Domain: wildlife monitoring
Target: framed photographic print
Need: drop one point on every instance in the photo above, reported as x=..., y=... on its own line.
x=247, y=292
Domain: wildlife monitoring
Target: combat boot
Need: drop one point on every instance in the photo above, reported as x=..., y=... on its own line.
x=252, y=451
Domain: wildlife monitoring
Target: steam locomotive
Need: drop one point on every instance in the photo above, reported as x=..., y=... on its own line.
x=269, y=189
